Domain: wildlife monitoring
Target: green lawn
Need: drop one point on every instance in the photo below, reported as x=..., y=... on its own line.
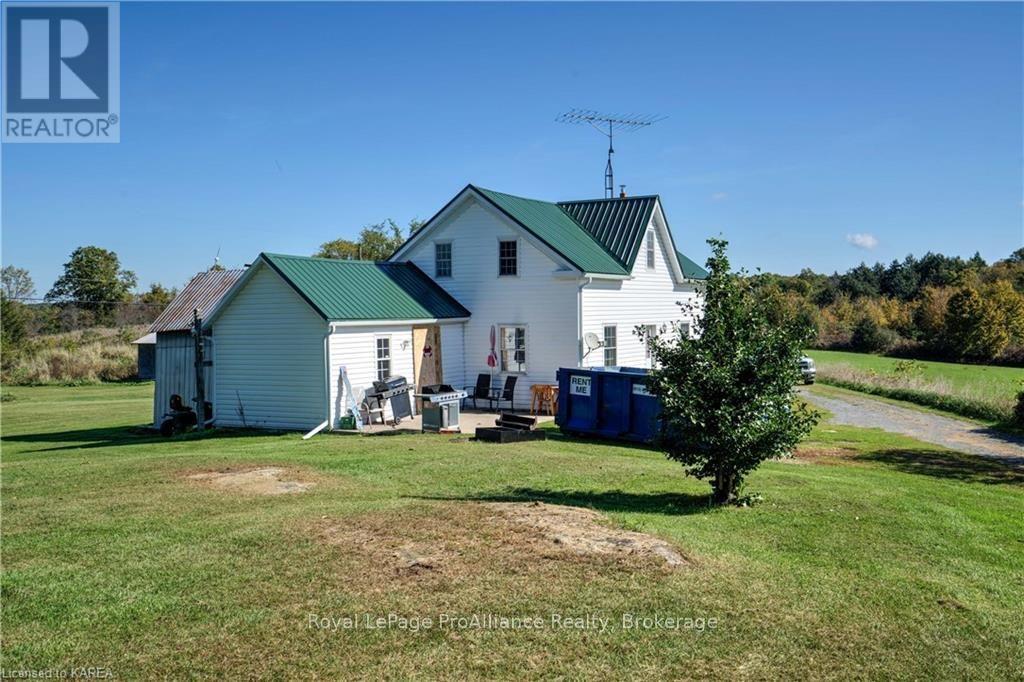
x=1001, y=381
x=874, y=556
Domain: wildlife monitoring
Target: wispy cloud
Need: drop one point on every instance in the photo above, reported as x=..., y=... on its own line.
x=862, y=240
x=719, y=196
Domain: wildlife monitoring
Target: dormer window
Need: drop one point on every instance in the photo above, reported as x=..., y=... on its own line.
x=443, y=259
x=651, y=246
x=508, y=258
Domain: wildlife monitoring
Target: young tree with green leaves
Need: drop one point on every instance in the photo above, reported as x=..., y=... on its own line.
x=376, y=242
x=728, y=393
x=93, y=280
x=158, y=296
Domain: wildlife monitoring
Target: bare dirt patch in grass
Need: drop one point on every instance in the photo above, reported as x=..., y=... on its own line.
x=585, y=532
x=255, y=481
x=440, y=545
x=822, y=455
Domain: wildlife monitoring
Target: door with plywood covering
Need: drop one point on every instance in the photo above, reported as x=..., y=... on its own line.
x=426, y=355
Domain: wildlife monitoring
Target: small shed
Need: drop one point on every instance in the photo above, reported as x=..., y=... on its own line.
x=146, y=360
x=174, y=356
x=295, y=333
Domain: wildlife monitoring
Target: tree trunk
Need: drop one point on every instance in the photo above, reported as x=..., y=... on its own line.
x=724, y=487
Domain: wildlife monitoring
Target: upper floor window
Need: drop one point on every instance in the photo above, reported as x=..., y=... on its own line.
x=443, y=259
x=383, y=357
x=508, y=258
x=513, y=348
x=651, y=246
x=611, y=346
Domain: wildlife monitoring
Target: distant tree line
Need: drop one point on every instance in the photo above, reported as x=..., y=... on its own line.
x=933, y=306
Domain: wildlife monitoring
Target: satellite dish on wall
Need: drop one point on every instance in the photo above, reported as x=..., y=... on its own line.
x=592, y=341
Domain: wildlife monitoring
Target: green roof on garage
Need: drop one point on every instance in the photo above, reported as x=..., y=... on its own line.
x=365, y=290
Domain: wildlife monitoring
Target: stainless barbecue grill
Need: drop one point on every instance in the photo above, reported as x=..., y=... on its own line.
x=392, y=391
x=439, y=405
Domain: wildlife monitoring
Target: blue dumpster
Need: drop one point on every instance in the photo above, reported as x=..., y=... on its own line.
x=611, y=402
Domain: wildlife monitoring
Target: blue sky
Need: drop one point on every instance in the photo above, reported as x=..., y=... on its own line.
x=791, y=128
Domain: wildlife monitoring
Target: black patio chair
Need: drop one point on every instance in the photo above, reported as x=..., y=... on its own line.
x=482, y=390
x=507, y=394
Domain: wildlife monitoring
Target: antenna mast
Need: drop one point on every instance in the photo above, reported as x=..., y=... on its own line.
x=608, y=125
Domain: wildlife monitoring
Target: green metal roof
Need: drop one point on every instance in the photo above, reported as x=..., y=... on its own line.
x=690, y=269
x=556, y=228
x=618, y=224
x=365, y=290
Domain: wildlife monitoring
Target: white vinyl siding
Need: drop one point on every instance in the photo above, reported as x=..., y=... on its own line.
x=269, y=363
x=453, y=370
x=538, y=299
x=355, y=349
x=648, y=297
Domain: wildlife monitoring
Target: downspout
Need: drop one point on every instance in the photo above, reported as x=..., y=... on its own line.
x=584, y=281
x=326, y=423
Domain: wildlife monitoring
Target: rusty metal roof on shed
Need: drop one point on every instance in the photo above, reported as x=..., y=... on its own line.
x=365, y=290
x=202, y=292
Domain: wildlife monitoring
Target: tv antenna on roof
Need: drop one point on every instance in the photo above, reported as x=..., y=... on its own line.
x=608, y=125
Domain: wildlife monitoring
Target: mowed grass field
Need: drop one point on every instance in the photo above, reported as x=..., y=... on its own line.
x=871, y=556
x=993, y=379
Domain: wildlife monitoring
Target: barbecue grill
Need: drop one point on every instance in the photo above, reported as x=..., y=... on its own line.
x=439, y=405
x=393, y=391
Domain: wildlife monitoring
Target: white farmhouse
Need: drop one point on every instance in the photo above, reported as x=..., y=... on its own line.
x=491, y=275
x=547, y=274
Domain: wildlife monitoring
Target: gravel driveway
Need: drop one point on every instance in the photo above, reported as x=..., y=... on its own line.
x=955, y=434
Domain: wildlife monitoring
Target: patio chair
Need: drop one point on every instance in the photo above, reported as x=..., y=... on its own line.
x=482, y=390
x=507, y=394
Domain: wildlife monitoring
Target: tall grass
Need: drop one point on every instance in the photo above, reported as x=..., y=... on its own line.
x=905, y=382
x=80, y=357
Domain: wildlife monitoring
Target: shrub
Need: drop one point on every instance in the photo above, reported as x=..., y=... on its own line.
x=870, y=337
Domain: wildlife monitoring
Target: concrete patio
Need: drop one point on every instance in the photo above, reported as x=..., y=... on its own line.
x=469, y=421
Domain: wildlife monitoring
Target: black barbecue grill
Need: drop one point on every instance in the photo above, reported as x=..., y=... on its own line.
x=393, y=391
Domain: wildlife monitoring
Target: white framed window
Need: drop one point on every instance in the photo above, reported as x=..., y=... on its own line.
x=651, y=248
x=383, y=357
x=508, y=258
x=650, y=333
x=611, y=346
x=512, y=348
x=442, y=259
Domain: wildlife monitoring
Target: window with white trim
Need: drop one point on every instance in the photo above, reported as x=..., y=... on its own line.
x=508, y=258
x=443, y=259
x=611, y=346
x=513, y=348
x=383, y=357
x=684, y=329
x=651, y=247
x=650, y=333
